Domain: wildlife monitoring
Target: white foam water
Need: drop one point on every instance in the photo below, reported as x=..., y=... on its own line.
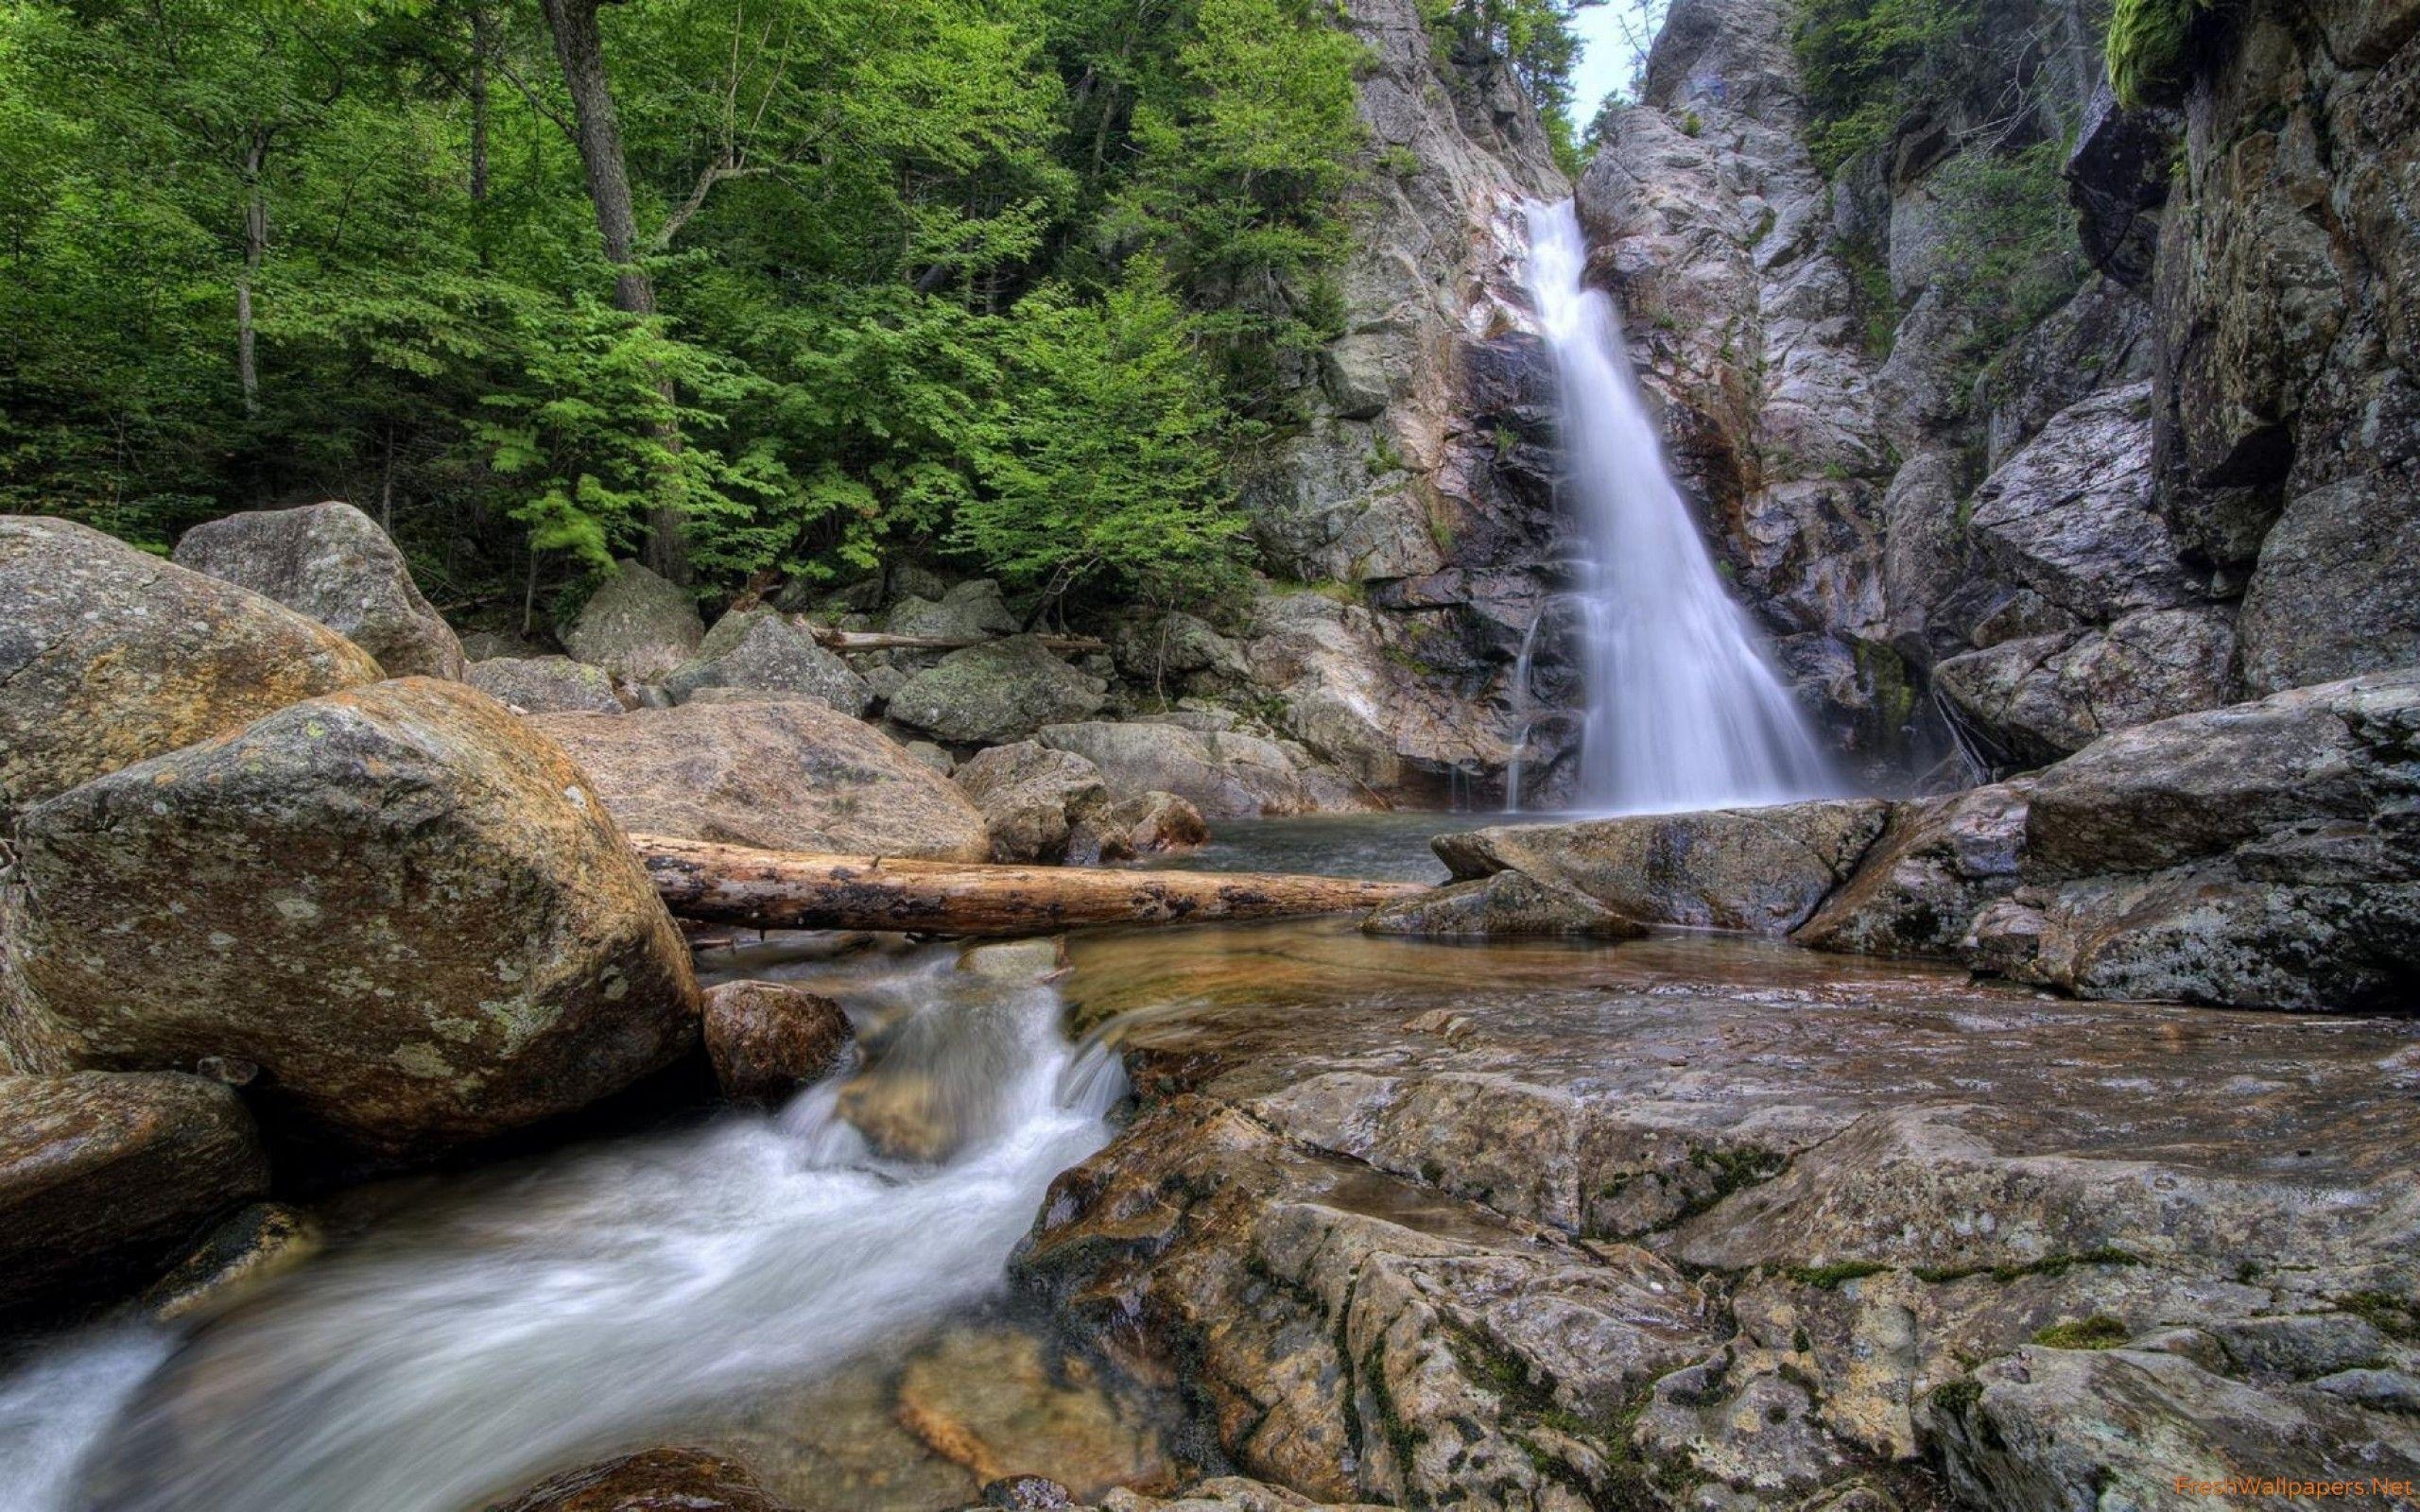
x=1684, y=712
x=465, y=1351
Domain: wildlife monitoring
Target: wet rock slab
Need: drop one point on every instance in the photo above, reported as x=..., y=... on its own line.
x=1694, y=1222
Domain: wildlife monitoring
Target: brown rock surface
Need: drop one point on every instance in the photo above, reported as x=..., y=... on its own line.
x=767, y=1040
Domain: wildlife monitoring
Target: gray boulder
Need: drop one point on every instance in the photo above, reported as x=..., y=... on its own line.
x=2337, y=588
x=1502, y=905
x=1937, y=865
x=2071, y=515
x=969, y=612
x=782, y=774
x=1144, y=825
x=1174, y=644
x=333, y=564
x=1033, y=798
x=2032, y=701
x=1762, y=870
x=108, y=656
x=757, y=650
x=999, y=692
x=401, y=903
x=1223, y=774
x=636, y=626
x=104, y=1178
x=545, y=684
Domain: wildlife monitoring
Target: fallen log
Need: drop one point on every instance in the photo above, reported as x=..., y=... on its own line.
x=832, y=640
x=791, y=889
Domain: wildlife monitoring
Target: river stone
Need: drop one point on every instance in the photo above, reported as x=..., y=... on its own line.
x=767, y=1039
x=108, y=656
x=2337, y=588
x=254, y=1246
x=1223, y=774
x=1938, y=862
x=103, y=1176
x=1504, y=905
x=333, y=564
x=656, y=1480
x=781, y=774
x=1033, y=798
x=545, y=685
x=994, y=692
x=636, y=626
x=1146, y=824
x=401, y=904
x=1760, y=870
x=758, y=650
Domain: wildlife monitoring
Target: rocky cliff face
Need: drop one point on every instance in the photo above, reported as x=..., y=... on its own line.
x=2188, y=483
x=1417, y=494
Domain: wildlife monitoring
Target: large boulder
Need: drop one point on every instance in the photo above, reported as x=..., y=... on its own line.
x=2032, y=701
x=104, y=1176
x=994, y=692
x=968, y=611
x=636, y=626
x=400, y=904
x=1937, y=865
x=333, y=564
x=1762, y=870
x=2337, y=590
x=1033, y=798
x=545, y=685
x=767, y=1040
x=782, y=774
x=1223, y=774
x=758, y=650
x=108, y=656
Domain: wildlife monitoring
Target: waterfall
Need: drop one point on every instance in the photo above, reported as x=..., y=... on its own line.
x=1684, y=710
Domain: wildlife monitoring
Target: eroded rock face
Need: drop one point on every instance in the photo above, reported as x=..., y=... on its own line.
x=2031, y=701
x=994, y=692
x=636, y=626
x=782, y=774
x=1937, y=865
x=332, y=562
x=108, y=656
x=767, y=1040
x=2337, y=588
x=1809, y=1142
x=401, y=903
x=1762, y=870
x=105, y=1176
x=545, y=684
x=758, y=650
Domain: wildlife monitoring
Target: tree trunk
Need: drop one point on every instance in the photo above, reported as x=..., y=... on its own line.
x=580, y=47
x=479, y=46
x=787, y=889
x=248, y=375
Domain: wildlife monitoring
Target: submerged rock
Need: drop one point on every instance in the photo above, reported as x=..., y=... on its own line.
x=401, y=903
x=545, y=685
x=108, y=656
x=997, y=692
x=636, y=626
x=1761, y=869
x=333, y=564
x=105, y=1178
x=255, y=1246
x=784, y=774
x=767, y=1039
x=655, y=1480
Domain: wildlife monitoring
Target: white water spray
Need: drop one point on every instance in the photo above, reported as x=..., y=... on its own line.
x=1683, y=711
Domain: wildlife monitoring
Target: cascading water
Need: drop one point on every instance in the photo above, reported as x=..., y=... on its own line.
x=576, y=1308
x=1683, y=711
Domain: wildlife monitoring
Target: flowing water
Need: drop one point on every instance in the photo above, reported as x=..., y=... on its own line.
x=514, y=1321
x=1684, y=710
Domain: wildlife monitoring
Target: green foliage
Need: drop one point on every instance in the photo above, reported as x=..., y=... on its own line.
x=1536, y=39
x=2098, y=1331
x=2144, y=52
x=2007, y=255
x=1866, y=63
x=1006, y=279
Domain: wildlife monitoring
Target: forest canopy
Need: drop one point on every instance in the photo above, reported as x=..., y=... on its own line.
x=761, y=287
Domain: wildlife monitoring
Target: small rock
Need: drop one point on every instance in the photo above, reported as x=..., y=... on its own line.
x=657, y=1480
x=255, y=1246
x=1507, y=906
x=1146, y=824
x=767, y=1040
x=1018, y=960
x=1033, y=798
x=932, y=756
x=1027, y=1493
x=333, y=564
